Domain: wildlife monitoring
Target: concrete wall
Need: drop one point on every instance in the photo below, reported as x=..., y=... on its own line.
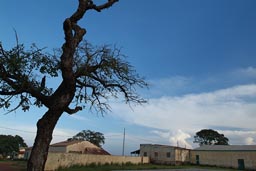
x=182, y=156
x=225, y=158
x=163, y=154
x=158, y=154
x=56, y=160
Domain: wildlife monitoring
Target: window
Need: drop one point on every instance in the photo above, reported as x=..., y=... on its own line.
x=168, y=154
x=145, y=154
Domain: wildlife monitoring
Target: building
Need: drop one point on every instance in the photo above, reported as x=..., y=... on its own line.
x=75, y=146
x=20, y=154
x=164, y=154
x=234, y=156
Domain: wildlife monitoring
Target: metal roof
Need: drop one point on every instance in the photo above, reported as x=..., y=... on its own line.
x=226, y=148
x=167, y=146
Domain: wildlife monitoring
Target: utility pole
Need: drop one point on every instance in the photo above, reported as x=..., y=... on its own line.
x=123, y=142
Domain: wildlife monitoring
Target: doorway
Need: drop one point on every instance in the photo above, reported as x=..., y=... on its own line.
x=241, y=164
x=197, y=160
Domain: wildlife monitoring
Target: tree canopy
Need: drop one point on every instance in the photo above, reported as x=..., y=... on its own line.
x=90, y=76
x=100, y=72
x=97, y=138
x=10, y=144
x=210, y=137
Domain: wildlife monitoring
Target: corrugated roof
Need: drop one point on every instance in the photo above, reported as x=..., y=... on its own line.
x=160, y=145
x=226, y=148
x=98, y=151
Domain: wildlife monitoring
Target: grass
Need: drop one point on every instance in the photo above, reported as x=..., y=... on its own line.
x=108, y=167
x=20, y=164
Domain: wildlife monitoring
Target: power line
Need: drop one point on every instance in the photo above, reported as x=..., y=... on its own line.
x=19, y=130
x=131, y=138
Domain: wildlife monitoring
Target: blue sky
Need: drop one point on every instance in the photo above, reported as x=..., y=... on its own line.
x=199, y=58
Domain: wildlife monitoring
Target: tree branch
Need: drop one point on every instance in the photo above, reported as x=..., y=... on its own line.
x=103, y=6
x=73, y=111
x=74, y=34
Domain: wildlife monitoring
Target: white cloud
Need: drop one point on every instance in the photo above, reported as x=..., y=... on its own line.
x=187, y=114
x=246, y=72
x=180, y=138
x=249, y=141
x=78, y=117
x=239, y=137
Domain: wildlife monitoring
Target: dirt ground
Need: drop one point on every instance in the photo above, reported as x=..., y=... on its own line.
x=8, y=166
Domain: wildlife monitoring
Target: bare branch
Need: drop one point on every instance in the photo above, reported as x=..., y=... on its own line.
x=103, y=6
x=74, y=34
x=73, y=111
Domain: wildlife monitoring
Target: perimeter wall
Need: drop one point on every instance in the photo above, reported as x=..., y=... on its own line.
x=57, y=160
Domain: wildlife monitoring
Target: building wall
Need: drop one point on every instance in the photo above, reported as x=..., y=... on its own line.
x=182, y=156
x=224, y=158
x=157, y=153
x=165, y=154
x=56, y=160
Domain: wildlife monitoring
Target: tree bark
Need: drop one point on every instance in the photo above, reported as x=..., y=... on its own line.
x=59, y=101
x=45, y=127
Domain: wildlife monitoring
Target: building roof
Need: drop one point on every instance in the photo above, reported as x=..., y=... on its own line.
x=66, y=143
x=136, y=152
x=98, y=151
x=226, y=148
x=90, y=148
x=167, y=146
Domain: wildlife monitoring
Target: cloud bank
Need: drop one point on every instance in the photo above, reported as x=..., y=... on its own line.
x=182, y=116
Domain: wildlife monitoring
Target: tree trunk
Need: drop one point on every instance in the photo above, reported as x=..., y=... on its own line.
x=58, y=103
x=45, y=127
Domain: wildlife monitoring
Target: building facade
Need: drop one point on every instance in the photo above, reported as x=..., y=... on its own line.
x=75, y=146
x=164, y=154
x=231, y=156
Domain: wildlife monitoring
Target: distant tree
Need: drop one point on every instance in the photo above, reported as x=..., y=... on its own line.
x=97, y=138
x=210, y=137
x=10, y=144
x=89, y=76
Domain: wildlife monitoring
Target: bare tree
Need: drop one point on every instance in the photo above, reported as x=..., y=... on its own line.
x=90, y=76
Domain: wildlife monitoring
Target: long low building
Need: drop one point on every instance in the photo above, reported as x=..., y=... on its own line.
x=235, y=156
x=165, y=154
x=230, y=156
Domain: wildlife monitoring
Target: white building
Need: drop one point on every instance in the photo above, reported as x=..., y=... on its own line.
x=165, y=154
